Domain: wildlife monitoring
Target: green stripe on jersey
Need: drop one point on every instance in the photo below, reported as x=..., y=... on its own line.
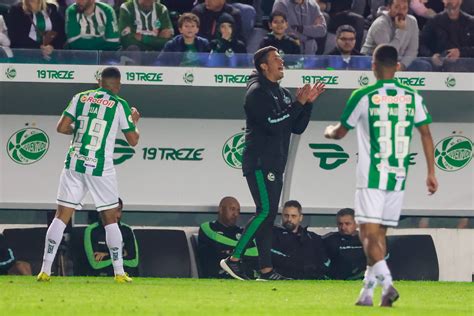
x=95, y=113
x=387, y=112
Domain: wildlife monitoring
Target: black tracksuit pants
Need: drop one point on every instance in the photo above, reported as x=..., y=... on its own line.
x=265, y=187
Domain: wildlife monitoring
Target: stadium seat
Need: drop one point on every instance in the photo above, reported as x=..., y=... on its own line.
x=194, y=244
x=79, y=259
x=28, y=245
x=413, y=257
x=163, y=253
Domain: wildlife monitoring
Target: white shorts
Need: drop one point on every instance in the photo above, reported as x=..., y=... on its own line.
x=378, y=206
x=73, y=186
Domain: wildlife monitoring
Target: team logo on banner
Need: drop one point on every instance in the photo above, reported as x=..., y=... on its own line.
x=450, y=82
x=188, y=77
x=363, y=80
x=28, y=145
x=331, y=155
x=453, y=153
x=233, y=150
x=10, y=73
x=98, y=74
x=122, y=151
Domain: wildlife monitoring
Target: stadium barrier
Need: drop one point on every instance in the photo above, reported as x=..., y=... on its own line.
x=192, y=133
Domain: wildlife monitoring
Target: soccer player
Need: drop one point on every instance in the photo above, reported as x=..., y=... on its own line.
x=93, y=117
x=272, y=116
x=384, y=114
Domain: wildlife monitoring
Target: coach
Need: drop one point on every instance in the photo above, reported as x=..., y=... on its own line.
x=272, y=115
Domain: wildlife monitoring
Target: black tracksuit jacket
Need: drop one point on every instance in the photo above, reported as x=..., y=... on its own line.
x=272, y=115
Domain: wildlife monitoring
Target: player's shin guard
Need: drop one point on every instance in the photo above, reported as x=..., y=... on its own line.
x=370, y=282
x=54, y=235
x=113, y=237
x=382, y=273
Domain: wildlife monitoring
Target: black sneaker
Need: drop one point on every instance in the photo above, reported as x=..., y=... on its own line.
x=234, y=269
x=272, y=276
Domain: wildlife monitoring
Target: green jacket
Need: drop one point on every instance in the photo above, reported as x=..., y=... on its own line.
x=99, y=31
x=134, y=20
x=94, y=241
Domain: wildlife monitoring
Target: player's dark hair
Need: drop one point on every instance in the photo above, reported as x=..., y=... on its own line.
x=261, y=56
x=295, y=204
x=120, y=202
x=344, y=212
x=385, y=56
x=110, y=72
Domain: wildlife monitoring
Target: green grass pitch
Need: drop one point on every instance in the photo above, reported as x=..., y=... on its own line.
x=149, y=296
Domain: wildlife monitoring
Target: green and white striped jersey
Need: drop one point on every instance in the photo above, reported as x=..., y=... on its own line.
x=98, y=31
x=384, y=114
x=97, y=114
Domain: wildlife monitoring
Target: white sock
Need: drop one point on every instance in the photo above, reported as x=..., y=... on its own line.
x=370, y=282
x=382, y=273
x=113, y=238
x=54, y=235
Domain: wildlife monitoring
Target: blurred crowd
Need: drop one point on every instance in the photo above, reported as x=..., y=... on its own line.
x=442, y=31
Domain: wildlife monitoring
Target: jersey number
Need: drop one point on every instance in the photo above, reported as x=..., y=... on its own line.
x=402, y=142
x=96, y=132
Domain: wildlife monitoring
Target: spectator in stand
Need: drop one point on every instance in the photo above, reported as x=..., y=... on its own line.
x=188, y=43
x=422, y=9
x=226, y=50
x=91, y=25
x=285, y=44
x=296, y=252
x=306, y=22
x=399, y=29
x=144, y=25
x=98, y=254
x=225, y=42
x=8, y=263
x=448, y=37
x=35, y=24
x=340, y=13
x=344, y=248
x=217, y=240
x=345, y=50
x=209, y=13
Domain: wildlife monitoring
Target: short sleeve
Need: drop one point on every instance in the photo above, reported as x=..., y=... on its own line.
x=353, y=110
x=72, y=107
x=125, y=117
x=422, y=117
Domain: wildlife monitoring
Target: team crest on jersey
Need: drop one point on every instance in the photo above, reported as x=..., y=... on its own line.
x=389, y=99
x=157, y=24
x=99, y=101
x=287, y=99
x=271, y=176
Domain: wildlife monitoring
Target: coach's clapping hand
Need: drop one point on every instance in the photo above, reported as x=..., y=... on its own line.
x=309, y=94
